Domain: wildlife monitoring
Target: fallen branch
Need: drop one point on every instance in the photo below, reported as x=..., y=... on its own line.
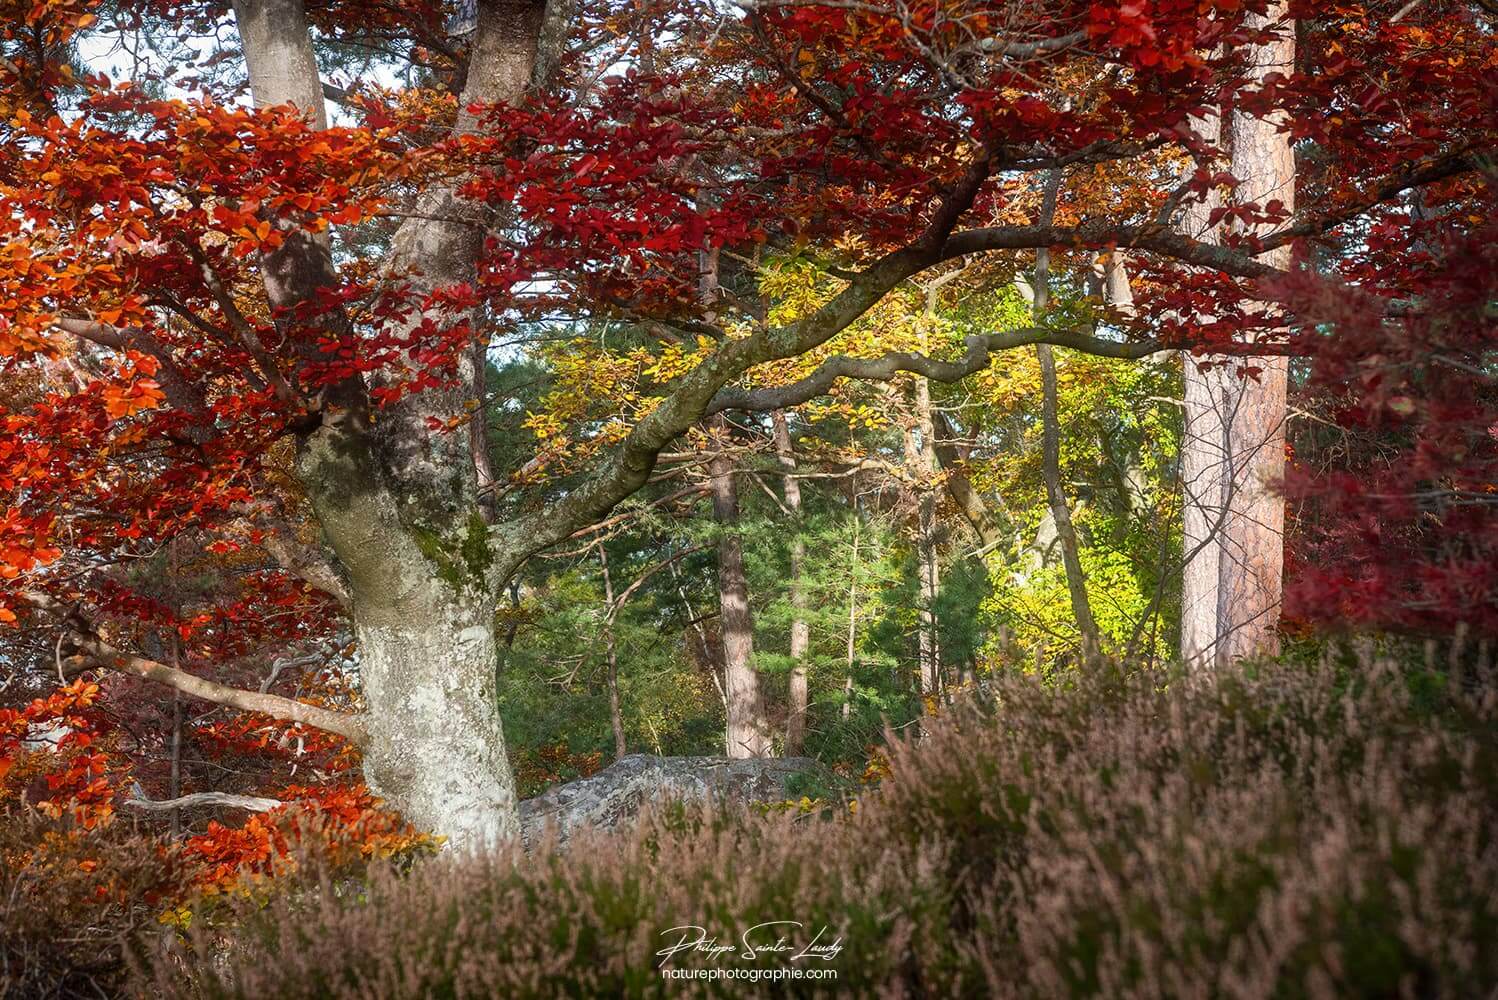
x=253, y=803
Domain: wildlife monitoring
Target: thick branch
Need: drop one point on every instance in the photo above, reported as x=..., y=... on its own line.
x=701, y=392
x=980, y=350
x=306, y=563
x=92, y=652
x=973, y=508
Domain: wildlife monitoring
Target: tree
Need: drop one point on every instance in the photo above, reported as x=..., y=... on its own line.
x=800, y=638
x=1235, y=437
x=176, y=268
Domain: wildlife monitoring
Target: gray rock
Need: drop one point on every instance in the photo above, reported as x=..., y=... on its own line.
x=615, y=796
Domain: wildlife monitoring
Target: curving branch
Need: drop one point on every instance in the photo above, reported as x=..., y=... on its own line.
x=705, y=390
x=980, y=351
x=306, y=562
x=1437, y=169
x=87, y=650
x=630, y=465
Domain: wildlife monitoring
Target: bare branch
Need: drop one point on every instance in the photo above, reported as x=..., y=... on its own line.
x=618, y=603
x=88, y=651
x=253, y=803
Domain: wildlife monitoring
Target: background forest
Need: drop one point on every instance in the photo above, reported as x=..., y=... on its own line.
x=1046, y=452
x=871, y=564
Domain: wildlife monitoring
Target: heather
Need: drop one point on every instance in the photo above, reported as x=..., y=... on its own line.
x=1321, y=829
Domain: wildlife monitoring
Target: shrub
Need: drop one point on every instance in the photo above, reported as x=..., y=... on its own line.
x=1281, y=831
x=72, y=899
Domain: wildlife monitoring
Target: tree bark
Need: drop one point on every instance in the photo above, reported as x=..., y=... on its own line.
x=1253, y=550
x=748, y=733
x=795, y=726
x=436, y=748
x=1233, y=448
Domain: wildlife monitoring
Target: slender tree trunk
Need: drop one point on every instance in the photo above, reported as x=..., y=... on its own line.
x=920, y=463
x=694, y=622
x=1233, y=448
x=1204, y=450
x=748, y=732
x=174, y=783
x=1066, y=533
x=795, y=726
x=616, y=718
x=852, y=616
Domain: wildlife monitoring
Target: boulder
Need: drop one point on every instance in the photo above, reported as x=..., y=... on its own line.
x=615, y=795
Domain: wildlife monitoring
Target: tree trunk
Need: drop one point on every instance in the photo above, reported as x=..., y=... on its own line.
x=852, y=616
x=1233, y=449
x=436, y=747
x=1253, y=553
x=748, y=733
x=973, y=508
x=920, y=463
x=398, y=505
x=616, y=717
x=1066, y=533
x=795, y=726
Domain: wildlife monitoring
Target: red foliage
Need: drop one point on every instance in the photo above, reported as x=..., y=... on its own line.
x=338, y=825
x=66, y=770
x=1397, y=526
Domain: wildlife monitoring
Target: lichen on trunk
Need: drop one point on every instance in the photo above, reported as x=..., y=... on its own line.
x=436, y=745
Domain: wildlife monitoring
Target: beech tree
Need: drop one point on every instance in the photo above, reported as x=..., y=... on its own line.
x=255, y=318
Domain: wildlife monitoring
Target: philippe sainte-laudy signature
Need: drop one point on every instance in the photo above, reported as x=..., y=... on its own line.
x=790, y=939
